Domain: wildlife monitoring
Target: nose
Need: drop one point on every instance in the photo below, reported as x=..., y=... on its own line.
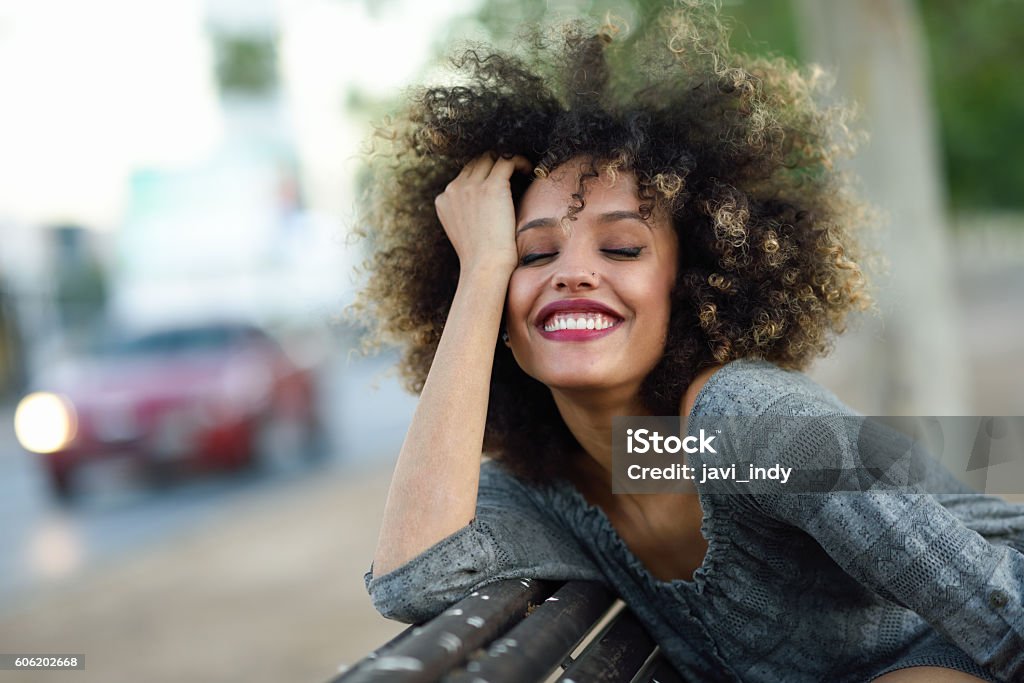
x=574, y=273
x=575, y=281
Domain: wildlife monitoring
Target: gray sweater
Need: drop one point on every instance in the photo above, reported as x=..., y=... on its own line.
x=794, y=587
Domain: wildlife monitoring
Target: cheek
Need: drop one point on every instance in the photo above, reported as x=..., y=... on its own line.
x=517, y=300
x=666, y=286
x=660, y=307
x=653, y=297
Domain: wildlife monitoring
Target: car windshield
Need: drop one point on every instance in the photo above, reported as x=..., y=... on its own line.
x=177, y=341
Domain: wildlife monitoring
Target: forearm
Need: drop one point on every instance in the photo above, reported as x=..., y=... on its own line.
x=434, y=487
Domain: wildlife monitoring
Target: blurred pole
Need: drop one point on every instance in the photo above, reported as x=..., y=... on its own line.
x=915, y=364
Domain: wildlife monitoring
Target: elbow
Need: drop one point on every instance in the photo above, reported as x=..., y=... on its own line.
x=412, y=597
x=428, y=584
x=404, y=608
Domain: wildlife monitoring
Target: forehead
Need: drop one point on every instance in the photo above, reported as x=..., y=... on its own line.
x=551, y=196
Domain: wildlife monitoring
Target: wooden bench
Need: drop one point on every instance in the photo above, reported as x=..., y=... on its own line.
x=518, y=631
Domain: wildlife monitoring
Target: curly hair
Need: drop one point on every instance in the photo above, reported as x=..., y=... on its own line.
x=734, y=148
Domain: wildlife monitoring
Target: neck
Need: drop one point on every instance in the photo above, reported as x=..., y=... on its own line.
x=589, y=417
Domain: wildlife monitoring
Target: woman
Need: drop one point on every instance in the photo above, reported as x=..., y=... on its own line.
x=560, y=242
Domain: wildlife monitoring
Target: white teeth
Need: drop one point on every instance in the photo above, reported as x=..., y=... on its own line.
x=577, y=321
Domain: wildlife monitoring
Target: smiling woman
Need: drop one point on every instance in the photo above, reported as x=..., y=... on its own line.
x=559, y=242
x=732, y=151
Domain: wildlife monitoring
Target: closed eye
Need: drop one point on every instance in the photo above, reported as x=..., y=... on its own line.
x=626, y=252
x=531, y=258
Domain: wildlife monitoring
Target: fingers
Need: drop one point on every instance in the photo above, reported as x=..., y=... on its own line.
x=482, y=166
x=490, y=164
x=504, y=167
x=477, y=166
x=468, y=169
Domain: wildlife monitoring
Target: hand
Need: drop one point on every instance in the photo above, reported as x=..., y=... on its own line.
x=476, y=212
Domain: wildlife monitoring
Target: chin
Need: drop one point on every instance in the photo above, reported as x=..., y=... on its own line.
x=592, y=372
x=594, y=384
x=593, y=379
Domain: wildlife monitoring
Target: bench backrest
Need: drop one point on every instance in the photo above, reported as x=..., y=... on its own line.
x=521, y=630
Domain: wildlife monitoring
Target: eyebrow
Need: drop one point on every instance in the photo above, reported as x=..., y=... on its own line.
x=607, y=217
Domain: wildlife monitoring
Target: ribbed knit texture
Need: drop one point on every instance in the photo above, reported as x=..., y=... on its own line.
x=794, y=587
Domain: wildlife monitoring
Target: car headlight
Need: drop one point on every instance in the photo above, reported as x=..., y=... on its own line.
x=45, y=422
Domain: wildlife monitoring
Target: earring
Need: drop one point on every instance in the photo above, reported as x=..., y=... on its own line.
x=504, y=337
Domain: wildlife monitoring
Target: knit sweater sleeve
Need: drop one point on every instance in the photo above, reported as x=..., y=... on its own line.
x=906, y=546
x=510, y=537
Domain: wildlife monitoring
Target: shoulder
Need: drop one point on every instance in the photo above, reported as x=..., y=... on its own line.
x=757, y=387
x=502, y=490
x=496, y=481
x=556, y=509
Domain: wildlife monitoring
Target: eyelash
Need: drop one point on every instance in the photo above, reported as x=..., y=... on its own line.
x=626, y=252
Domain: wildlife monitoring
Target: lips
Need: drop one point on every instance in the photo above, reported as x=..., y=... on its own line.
x=583, y=306
x=576, y=320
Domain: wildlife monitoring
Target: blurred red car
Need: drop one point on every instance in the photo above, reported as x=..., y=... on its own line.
x=212, y=396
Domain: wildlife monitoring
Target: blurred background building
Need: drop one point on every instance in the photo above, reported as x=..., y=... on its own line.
x=172, y=162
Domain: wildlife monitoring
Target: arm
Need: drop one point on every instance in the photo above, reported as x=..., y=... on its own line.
x=510, y=537
x=450, y=527
x=434, y=488
x=910, y=549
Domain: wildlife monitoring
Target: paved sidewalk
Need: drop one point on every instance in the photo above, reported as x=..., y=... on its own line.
x=271, y=591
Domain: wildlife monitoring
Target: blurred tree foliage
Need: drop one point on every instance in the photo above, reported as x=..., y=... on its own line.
x=977, y=71
x=245, y=64
x=762, y=26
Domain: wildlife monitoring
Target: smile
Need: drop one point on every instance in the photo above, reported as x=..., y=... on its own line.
x=578, y=320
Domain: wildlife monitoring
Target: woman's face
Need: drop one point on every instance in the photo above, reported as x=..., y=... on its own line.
x=588, y=307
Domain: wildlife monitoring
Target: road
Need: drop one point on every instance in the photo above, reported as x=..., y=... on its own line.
x=266, y=589
x=46, y=546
